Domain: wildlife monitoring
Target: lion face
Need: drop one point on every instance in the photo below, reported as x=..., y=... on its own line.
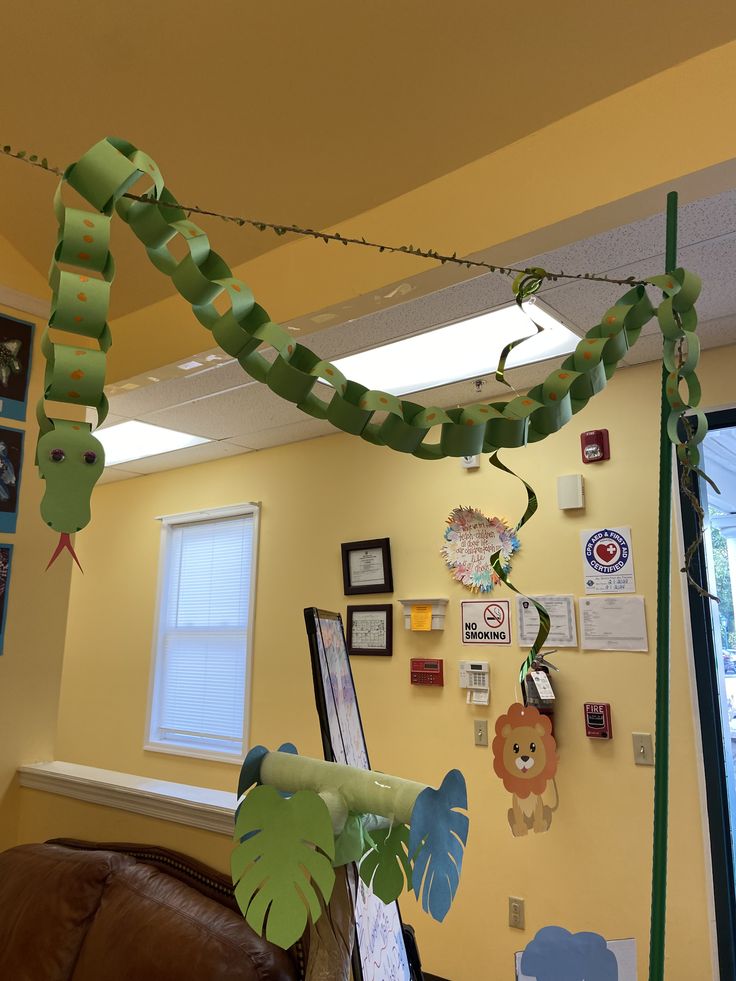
x=524, y=751
x=527, y=752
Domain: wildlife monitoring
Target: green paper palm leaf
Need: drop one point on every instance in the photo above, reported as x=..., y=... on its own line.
x=350, y=843
x=281, y=861
x=385, y=867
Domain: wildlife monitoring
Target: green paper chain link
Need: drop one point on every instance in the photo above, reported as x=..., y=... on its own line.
x=82, y=272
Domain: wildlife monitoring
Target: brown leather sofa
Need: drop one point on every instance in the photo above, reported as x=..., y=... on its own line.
x=76, y=911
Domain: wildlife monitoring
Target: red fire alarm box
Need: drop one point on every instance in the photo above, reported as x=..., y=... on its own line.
x=427, y=672
x=594, y=446
x=598, y=720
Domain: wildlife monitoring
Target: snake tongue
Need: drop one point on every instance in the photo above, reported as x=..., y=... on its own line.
x=65, y=542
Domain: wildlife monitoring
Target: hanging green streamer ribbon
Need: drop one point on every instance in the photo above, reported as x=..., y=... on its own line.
x=498, y=567
x=524, y=286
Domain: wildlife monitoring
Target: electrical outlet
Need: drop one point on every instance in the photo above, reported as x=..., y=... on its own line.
x=516, y=912
x=480, y=730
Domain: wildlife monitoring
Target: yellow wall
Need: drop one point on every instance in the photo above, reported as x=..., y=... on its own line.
x=30, y=668
x=592, y=870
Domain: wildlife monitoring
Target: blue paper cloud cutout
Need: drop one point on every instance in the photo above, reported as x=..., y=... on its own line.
x=555, y=954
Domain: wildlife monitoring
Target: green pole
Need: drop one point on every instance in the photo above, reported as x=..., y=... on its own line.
x=662, y=716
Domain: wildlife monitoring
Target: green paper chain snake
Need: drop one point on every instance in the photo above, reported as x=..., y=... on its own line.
x=69, y=457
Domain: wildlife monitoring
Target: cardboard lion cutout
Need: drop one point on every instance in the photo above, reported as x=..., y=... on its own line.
x=525, y=758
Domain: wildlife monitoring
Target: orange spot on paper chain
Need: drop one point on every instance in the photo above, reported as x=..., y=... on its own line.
x=76, y=374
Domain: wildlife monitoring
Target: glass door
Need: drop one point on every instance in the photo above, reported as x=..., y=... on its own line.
x=714, y=651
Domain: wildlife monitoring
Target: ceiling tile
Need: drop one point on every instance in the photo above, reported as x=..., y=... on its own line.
x=233, y=413
x=184, y=387
x=293, y=433
x=186, y=457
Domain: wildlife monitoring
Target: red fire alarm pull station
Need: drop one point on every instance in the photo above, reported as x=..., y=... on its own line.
x=598, y=720
x=594, y=446
x=427, y=672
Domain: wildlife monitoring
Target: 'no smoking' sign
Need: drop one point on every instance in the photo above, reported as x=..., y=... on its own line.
x=486, y=622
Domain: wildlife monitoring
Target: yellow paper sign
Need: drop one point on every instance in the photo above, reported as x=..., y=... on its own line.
x=421, y=616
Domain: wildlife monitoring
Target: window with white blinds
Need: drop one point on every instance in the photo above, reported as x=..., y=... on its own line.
x=201, y=668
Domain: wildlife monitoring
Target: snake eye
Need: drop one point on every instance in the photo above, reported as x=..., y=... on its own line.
x=57, y=455
x=90, y=456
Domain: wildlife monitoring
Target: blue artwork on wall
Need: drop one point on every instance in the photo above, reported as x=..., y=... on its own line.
x=16, y=349
x=6, y=554
x=11, y=460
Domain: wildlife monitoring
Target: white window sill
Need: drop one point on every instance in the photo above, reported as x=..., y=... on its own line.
x=197, y=807
x=173, y=749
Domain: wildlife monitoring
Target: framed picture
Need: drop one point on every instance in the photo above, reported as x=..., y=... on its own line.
x=11, y=460
x=6, y=554
x=16, y=347
x=380, y=950
x=366, y=567
x=370, y=629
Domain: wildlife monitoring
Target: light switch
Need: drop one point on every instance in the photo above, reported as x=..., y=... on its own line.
x=643, y=749
x=480, y=729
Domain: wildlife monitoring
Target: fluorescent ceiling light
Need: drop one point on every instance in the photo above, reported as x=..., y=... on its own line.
x=135, y=440
x=467, y=349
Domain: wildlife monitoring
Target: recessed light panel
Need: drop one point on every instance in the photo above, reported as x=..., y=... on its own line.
x=468, y=349
x=136, y=440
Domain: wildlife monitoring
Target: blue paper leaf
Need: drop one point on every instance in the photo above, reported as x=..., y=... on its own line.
x=437, y=839
x=250, y=771
x=555, y=954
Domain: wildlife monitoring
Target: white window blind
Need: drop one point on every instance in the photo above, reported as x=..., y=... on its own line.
x=202, y=656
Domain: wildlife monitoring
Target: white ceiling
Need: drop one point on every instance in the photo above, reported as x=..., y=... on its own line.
x=218, y=400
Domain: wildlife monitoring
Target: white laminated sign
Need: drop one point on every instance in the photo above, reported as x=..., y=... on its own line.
x=486, y=622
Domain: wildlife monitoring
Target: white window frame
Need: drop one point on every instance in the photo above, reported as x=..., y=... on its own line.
x=168, y=523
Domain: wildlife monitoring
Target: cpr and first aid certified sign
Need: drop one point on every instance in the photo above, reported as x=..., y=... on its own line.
x=486, y=622
x=608, y=561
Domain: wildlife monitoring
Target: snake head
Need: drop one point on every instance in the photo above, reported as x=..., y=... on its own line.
x=71, y=460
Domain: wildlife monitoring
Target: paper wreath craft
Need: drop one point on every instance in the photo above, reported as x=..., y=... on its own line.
x=525, y=758
x=299, y=818
x=471, y=540
x=9, y=361
x=81, y=275
x=555, y=954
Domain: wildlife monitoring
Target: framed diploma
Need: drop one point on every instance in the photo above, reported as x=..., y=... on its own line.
x=366, y=567
x=370, y=630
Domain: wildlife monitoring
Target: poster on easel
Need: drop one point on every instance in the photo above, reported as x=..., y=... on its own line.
x=6, y=555
x=16, y=351
x=11, y=461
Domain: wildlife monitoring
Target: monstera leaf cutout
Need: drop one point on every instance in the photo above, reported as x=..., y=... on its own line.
x=386, y=866
x=281, y=861
x=350, y=843
x=437, y=839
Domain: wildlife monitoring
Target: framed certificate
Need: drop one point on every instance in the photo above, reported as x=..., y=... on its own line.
x=366, y=567
x=370, y=630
